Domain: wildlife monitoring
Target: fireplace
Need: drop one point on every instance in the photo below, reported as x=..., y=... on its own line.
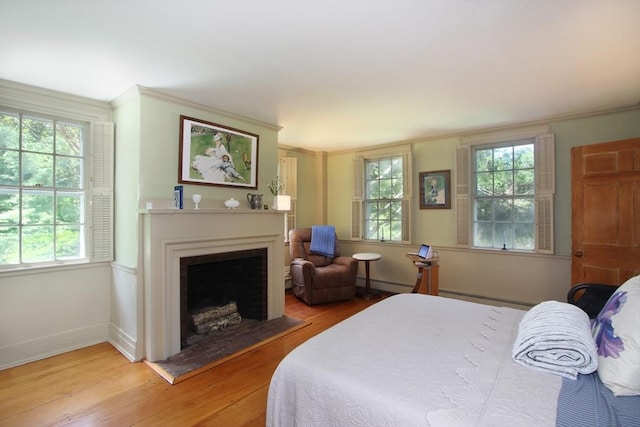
x=229, y=279
x=171, y=235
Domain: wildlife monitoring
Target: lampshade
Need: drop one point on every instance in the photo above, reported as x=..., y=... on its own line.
x=282, y=203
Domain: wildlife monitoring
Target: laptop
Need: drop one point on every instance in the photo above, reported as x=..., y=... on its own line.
x=425, y=251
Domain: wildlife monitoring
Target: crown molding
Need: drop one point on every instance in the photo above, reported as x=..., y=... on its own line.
x=125, y=97
x=515, y=127
x=153, y=93
x=291, y=148
x=34, y=99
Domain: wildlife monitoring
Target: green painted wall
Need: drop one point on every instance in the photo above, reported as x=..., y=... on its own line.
x=574, y=133
x=127, y=155
x=438, y=226
x=147, y=152
x=160, y=125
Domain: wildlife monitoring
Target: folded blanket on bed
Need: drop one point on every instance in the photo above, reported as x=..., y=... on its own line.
x=323, y=240
x=555, y=337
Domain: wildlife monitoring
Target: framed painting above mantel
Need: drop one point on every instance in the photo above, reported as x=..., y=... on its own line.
x=212, y=154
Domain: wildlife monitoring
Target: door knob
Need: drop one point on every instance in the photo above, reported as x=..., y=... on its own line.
x=578, y=253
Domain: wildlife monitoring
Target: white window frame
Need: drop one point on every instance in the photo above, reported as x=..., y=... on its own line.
x=99, y=149
x=544, y=157
x=358, y=201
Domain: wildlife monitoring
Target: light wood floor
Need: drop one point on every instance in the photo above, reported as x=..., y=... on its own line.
x=98, y=386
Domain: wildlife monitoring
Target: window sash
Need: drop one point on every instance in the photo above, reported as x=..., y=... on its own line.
x=496, y=163
x=359, y=202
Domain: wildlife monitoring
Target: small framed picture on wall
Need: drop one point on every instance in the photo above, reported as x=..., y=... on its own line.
x=435, y=189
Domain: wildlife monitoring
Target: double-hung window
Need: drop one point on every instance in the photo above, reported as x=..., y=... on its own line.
x=55, y=190
x=505, y=192
x=382, y=195
x=504, y=196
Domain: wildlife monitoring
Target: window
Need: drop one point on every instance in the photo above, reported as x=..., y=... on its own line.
x=383, y=199
x=382, y=193
x=505, y=192
x=504, y=196
x=50, y=211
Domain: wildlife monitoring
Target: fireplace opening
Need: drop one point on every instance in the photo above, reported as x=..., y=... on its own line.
x=221, y=289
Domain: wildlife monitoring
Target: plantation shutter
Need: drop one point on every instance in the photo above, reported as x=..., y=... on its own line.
x=288, y=172
x=406, y=222
x=358, y=199
x=406, y=197
x=545, y=189
x=544, y=224
x=545, y=157
x=463, y=212
x=101, y=158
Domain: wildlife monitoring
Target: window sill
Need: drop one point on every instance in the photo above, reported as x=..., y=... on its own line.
x=49, y=268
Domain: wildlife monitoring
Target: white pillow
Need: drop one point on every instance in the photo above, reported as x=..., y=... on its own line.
x=616, y=331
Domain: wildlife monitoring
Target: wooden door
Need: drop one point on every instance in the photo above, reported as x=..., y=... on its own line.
x=605, y=218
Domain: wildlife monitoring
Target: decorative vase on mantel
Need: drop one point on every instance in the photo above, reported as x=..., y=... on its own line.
x=232, y=203
x=280, y=202
x=255, y=200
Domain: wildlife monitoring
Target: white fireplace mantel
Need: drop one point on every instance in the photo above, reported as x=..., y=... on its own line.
x=171, y=234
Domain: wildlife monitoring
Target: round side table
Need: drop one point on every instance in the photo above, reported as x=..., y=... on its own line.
x=367, y=257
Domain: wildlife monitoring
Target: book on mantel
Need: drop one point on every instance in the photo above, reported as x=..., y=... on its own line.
x=178, y=197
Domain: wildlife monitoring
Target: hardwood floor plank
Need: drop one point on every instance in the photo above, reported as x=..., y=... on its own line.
x=242, y=413
x=98, y=386
x=30, y=371
x=64, y=405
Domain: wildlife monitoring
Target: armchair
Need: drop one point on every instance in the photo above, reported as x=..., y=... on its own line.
x=318, y=279
x=590, y=297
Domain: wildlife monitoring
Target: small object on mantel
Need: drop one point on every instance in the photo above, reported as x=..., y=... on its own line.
x=196, y=200
x=178, y=197
x=232, y=203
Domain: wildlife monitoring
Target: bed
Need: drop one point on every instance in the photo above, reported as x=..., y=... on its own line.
x=414, y=360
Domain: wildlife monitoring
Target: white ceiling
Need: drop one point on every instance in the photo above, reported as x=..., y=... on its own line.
x=338, y=74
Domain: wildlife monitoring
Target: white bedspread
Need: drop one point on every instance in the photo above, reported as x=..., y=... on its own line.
x=413, y=360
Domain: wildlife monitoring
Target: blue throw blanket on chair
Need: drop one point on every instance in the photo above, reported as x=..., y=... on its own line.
x=323, y=240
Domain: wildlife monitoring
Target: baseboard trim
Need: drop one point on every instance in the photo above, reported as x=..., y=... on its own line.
x=124, y=343
x=399, y=288
x=29, y=351
x=486, y=300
